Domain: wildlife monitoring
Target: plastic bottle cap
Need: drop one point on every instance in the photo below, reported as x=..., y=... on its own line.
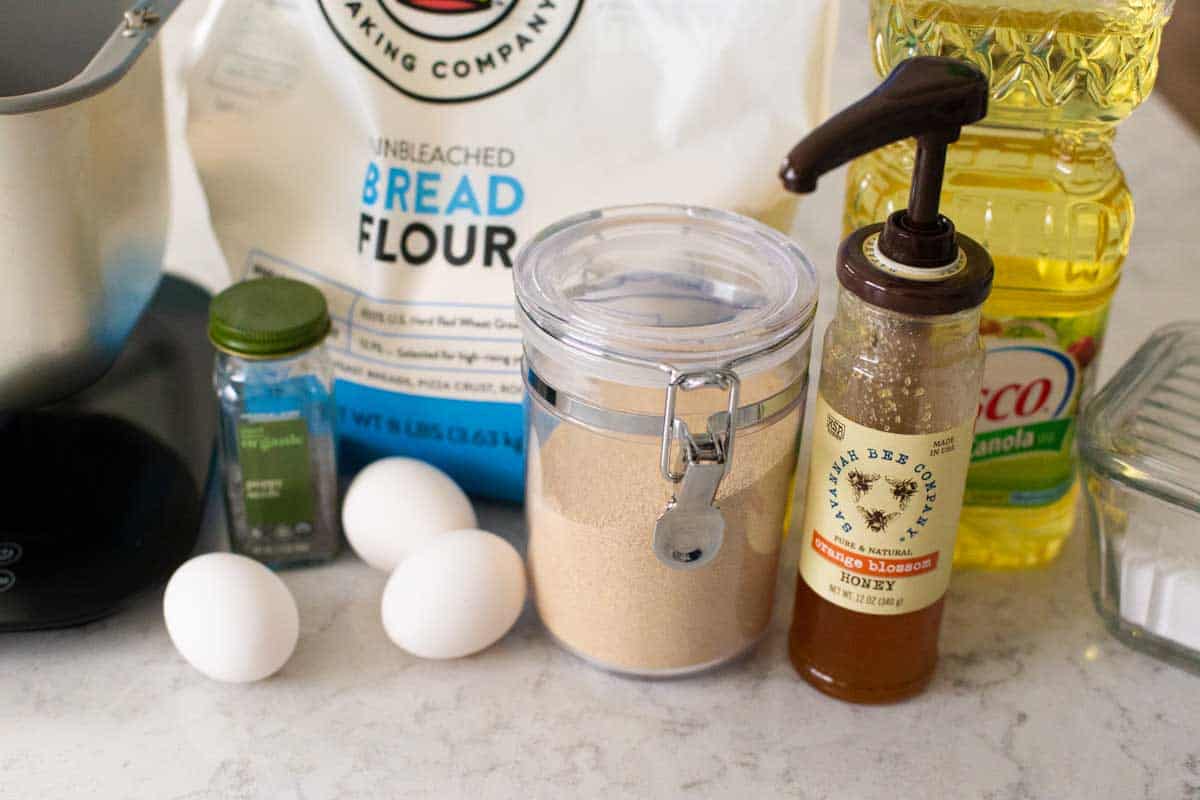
x=915, y=263
x=964, y=283
x=268, y=317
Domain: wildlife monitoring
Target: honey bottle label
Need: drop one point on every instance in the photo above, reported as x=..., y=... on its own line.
x=881, y=513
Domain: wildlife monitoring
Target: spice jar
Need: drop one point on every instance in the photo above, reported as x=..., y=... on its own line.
x=666, y=362
x=274, y=385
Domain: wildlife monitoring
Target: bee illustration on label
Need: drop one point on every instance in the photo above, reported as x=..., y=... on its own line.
x=861, y=482
x=877, y=519
x=903, y=490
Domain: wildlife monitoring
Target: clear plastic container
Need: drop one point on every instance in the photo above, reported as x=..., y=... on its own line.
x=1140, y=448
x=653, y=541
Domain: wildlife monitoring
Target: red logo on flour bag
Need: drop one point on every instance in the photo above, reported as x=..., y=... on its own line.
x=1025, y=384
x=451, y=51
x=449, y=6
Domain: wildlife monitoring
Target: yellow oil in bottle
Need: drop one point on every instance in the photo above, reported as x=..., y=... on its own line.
x=1039, y=187
x=1052, y=64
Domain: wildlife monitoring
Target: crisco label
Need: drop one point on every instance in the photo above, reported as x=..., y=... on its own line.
x=881, y=514
x=1034, y=376
x=1025, y=403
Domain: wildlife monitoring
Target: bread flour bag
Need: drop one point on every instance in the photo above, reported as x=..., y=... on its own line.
x=398, y=153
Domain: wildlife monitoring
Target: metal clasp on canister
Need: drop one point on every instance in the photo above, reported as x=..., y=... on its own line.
x=690, y=531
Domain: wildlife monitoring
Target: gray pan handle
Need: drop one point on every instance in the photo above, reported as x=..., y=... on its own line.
x=136, y=29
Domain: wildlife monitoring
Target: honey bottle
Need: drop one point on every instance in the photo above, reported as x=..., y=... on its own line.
x=896, y=408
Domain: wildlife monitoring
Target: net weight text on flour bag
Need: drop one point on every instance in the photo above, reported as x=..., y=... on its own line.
x=398, y=153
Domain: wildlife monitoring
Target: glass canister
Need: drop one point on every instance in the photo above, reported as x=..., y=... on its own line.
x=656, y=339
x=1142, y=471
x=274, y=384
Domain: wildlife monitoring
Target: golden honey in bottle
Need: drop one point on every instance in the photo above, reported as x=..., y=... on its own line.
x=1038, y=186
x=896, y=405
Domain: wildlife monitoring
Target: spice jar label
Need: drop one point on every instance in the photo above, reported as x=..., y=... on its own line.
x=276, y=476
x=882, y=513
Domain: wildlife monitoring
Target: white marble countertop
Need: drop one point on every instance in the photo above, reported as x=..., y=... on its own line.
x=1033, y=698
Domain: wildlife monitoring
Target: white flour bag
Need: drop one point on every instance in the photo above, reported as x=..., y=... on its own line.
x=398, y=153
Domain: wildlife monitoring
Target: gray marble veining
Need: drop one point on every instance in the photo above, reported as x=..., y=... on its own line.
x=1033, y=699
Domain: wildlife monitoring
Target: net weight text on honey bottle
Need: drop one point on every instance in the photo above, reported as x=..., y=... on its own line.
x=862, y=598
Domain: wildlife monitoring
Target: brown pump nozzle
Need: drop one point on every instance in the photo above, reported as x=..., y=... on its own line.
x=926, y=97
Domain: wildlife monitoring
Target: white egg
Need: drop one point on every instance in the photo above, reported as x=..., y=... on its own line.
x=231, y=617
x=395, y=505
x=457, y=595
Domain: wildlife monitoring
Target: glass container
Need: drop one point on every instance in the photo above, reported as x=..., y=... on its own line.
x=656, y=337
x=1141, y=464
x=274, y=383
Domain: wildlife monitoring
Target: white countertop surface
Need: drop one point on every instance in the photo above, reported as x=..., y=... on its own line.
x=1033, y=698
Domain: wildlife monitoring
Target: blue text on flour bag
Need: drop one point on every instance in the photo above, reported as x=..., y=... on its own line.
x=457, y=238
x=438, y=379
x=394, y=153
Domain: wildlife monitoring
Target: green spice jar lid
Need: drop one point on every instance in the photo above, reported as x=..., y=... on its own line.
x=268, y=317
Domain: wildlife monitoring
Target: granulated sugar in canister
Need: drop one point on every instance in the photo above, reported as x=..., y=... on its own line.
x=592, y=502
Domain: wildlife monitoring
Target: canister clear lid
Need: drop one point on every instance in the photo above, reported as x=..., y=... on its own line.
x=1142, y=429
x=636, y=289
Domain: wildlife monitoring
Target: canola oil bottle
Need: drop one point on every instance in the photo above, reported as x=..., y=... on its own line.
x=1038, y=186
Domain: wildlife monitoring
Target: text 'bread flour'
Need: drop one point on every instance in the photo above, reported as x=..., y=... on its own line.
x=398, y=153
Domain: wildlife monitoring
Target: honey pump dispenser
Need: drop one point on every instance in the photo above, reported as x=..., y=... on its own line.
x=897, y=402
